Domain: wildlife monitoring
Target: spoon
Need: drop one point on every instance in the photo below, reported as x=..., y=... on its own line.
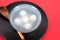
x=4, y=11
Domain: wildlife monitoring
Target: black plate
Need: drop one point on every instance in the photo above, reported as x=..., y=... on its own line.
x=6, y=29
x=11, y=34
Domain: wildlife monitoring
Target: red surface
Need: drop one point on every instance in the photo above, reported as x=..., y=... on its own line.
x=1, y=37
x=52, y=9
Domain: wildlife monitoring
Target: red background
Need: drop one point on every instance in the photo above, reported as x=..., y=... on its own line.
x=52, y=9
x=1, y=37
